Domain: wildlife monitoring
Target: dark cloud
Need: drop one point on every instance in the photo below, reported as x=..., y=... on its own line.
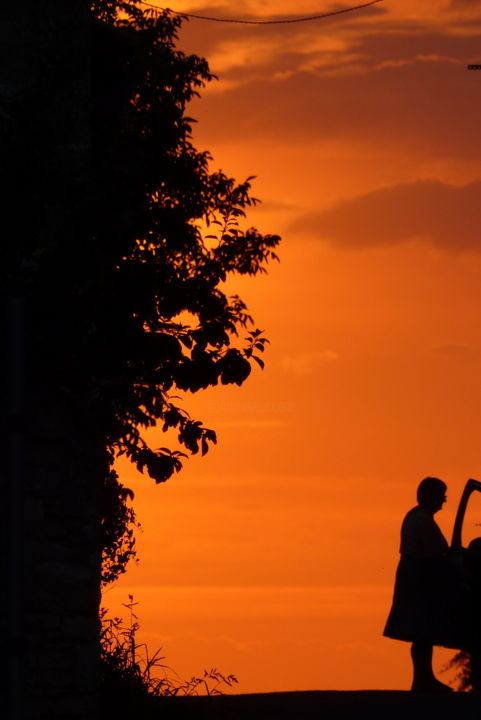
x=405, y=86
x=358, y=29
x=390, y=81
x=428, y=107
x=430, y=211
x=363, y=54
x=457, y=351
x=465, y=4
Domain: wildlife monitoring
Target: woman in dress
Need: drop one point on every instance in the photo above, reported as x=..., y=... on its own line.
x=424, y=609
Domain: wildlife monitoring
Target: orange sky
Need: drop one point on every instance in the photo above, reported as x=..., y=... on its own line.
x=273, y=557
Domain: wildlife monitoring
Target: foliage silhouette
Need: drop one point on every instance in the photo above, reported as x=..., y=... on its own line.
x=121, y=255
x=143, y=311
x=460, y=662
x=118, y=525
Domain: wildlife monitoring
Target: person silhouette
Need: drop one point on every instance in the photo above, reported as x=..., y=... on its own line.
x=418, y=613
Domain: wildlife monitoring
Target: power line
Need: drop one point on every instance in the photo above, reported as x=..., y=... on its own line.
x=268, y=22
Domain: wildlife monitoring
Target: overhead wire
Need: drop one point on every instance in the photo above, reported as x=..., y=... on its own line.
x=310, y=18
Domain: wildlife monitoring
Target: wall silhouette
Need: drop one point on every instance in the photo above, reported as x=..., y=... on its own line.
x=50, y=470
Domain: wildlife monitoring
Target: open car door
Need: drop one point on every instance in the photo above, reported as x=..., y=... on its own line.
x=470, y=487
x=471, y=559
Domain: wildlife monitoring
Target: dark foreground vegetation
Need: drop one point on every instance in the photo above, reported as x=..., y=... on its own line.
x=132, y=676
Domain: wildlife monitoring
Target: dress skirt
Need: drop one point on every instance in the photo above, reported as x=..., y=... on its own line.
x=431, y=603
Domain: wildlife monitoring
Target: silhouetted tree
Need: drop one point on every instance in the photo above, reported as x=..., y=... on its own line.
x=124, y=292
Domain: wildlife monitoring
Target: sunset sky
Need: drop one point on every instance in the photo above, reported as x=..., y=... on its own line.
x=273, y=557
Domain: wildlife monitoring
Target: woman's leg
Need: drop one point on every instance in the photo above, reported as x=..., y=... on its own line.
x=423, y=676
x=422, y=657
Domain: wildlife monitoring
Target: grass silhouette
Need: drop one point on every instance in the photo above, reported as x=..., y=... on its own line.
x=132, y=678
